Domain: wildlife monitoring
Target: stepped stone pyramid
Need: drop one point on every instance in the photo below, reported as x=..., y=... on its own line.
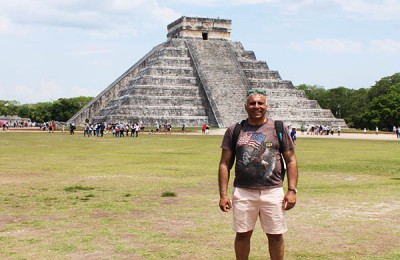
x=199, y=76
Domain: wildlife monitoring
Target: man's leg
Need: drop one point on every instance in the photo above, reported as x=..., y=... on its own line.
x=242, y=245
x=276, y=246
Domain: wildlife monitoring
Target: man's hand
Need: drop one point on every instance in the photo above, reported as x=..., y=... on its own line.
x=225, y=203
x=289, y=201
x=223, y=179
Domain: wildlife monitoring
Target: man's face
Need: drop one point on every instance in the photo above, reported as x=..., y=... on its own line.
x=256, y=106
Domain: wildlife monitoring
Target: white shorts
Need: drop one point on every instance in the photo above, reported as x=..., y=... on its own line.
x=248, y=204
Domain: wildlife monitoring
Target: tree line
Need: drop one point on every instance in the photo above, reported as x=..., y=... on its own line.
x=378, y=105
x=60, y=110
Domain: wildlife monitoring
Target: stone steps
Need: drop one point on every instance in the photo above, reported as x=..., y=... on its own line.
x=250, y=64
x=285, y=92
x=154, y=110
x=170, y=62
x=168, y=71
x=166, y=90
x=262, y=74
x=172, y=52
x=271, y=83
x=293, y=103
x=300, y=113
x=165, y=101
x=221, y=78
x=163, y=80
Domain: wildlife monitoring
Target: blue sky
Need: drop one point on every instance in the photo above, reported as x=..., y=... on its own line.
x=51, y=49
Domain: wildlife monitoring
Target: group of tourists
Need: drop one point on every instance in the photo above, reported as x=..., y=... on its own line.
x=49, y=126
x=319, y=130
x=116, y=129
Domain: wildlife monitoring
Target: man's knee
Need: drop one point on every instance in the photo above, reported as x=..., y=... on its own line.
x=244, y=236
x=275, y=237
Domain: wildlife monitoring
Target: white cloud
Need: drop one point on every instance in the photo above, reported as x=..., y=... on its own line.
x=335, y=45
x=126, y=5
x=295, y=46
x=383, y=10
x=372, y=10
x=314, y=6
x=48, y=90
x=77, y=91
x=5, y=24
x=328, y=46
x=103, y=17
x=163, y=14
x=386, y=45
x=90, y=51
x=252, y=2
x=203, y=3
x=296, y=6
x=219, y=3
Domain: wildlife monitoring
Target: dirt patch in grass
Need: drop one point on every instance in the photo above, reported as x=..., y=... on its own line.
x=342, y=227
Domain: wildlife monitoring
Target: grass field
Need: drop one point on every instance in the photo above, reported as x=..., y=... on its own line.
x=156, y=197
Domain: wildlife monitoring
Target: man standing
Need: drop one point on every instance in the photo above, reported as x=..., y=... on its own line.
x=258, y=185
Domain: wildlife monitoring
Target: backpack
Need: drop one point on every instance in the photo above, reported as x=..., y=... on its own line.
x=279, y=132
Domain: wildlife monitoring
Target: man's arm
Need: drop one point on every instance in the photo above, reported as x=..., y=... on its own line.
x=223, y=180
x=289, y=200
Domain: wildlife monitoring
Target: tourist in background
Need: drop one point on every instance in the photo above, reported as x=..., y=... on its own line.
x=183, y=129
x=293, y=135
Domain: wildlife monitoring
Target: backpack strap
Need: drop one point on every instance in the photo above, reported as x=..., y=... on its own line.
x=235, y=136
x=279, y=132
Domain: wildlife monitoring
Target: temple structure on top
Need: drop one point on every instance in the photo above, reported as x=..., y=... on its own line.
x=200, y=28
x=199, y=76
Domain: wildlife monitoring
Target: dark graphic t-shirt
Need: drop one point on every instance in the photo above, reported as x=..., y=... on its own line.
x=258, y=161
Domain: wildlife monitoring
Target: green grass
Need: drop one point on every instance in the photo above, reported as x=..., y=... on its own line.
x=156, y=197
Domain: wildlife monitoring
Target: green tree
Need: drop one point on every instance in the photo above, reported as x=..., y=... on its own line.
x=315, y=92
x=41, y=112
x=384, y=110
x=25, y=110
x=356, y=106
x=382, y=86
x=59, y=110
x=8, y=107
x=62, y=109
